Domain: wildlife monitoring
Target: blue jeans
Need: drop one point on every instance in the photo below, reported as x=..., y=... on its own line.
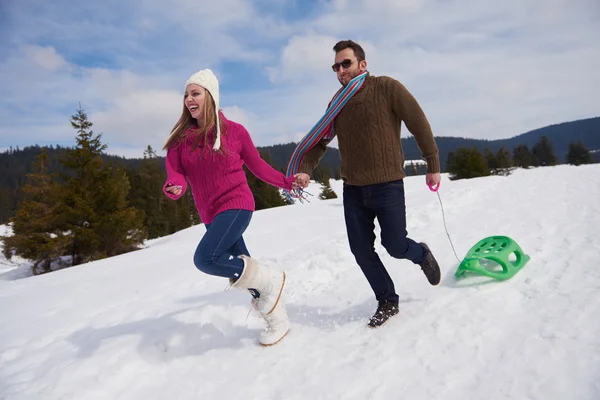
x=218, y=251
x=384, y=201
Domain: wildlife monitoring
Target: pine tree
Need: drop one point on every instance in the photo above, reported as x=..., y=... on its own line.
x=504, y=162
x=85, y=158
x=415, y=168
x=449, y=159
x=338, y=174
x=146, y=195
x=94, y=200
x=467, y=163
x=578, y=154
x=411, y=169
x=162, y=216
x=189, y=212
x=543, y=153
x=522, y=157
x=265, y=195
x=327, y=192
x=36, y=233
x=118, y=226
x=491, y=160
x=83, y=164
x=322, y=174
x=6, y=204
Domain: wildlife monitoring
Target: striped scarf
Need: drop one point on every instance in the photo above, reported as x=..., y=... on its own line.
x=322, y=130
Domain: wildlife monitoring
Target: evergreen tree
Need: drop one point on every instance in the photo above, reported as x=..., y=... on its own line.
x=94, y=200
x=522, y=157
x=7, y=197
x=467, y=163
x=147, y=196
x=162, y=216
x=85, y=158
x=415, y=168
x=491, y=160
x=449, y=159
x=265, y=195
x=188, y=211
x=119, y=226
x=83, y=164
x=327, y=192
x=338, y=174
x=322, y=174
x=503, y=162
x=36, y=234
x=578, y=154
x=543, y=153
x=411, y=169
x=158, y=209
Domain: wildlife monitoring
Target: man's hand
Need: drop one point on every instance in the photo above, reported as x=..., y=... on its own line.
x=301, y=180
x=433, y=179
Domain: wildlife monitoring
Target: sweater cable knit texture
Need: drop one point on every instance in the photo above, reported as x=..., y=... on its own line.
x=218, y=181
x=368, y=132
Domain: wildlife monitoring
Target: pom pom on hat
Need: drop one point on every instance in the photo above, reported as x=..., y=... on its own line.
x=207, y=79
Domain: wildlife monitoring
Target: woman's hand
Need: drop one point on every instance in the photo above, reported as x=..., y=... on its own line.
x=176, y=190
x=301, y=180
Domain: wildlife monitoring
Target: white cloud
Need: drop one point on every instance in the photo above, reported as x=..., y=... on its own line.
x=241, y=116
x=45, y=57
x=128, y=109
x=303, y=57
x=140, y=117
x=478, y=69
x=483, y=69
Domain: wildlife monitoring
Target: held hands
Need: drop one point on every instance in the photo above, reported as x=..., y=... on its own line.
x=176, y=190
x=432, y=180
x=302, y=180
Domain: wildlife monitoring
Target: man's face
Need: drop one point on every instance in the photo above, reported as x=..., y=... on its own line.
x=347, y=66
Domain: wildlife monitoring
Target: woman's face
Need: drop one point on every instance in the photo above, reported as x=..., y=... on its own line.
x=194, y=100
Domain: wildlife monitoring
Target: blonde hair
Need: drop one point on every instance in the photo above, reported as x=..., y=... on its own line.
x=186, y=122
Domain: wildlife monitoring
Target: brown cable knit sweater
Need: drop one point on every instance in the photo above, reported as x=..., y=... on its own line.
x=368, y=132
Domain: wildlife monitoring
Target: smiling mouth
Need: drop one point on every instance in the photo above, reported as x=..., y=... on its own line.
x=193, y=108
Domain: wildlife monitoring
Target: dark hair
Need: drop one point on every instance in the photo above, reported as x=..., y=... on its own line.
x=349, y=44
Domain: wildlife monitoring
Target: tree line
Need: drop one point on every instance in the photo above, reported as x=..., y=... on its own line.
x=79, y=204
x=469, y=162
x=89, y=208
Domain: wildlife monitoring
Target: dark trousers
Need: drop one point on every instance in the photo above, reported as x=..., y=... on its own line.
x=218, y=251
x=384, y=201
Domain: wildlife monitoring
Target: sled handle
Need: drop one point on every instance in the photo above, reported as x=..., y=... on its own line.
x=436, y=188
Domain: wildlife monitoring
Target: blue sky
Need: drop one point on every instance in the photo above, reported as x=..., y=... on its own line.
x=490, y=69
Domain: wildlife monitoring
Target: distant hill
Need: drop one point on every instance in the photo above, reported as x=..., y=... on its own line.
x=16, y=163
x=586, y=130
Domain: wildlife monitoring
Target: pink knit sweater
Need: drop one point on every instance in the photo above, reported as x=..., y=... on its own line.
x=218, y=182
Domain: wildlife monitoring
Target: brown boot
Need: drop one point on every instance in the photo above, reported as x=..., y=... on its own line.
x=385, y=310
x=430, y=267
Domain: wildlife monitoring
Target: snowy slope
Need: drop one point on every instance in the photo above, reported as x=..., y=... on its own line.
x=16, y=267
x=148, y=325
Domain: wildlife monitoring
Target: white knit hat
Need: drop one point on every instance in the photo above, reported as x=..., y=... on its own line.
x=207, y=79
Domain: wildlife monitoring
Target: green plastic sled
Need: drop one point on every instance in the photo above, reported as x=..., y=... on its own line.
x=497, y=249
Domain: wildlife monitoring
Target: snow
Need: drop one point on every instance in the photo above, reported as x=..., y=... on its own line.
x=149, y=325
x=416, y=162
x=16, y=267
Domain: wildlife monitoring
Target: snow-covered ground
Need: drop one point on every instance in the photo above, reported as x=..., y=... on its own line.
x=148, y=325
x=16, y=267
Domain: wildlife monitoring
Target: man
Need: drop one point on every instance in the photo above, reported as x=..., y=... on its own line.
x=372, y=161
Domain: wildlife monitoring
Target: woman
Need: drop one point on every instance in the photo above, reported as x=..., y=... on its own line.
x=208, y=151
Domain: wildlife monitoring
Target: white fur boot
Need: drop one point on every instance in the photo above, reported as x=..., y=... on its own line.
x=269, y=283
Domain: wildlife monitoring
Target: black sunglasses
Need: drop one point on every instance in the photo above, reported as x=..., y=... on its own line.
x=346, y=64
